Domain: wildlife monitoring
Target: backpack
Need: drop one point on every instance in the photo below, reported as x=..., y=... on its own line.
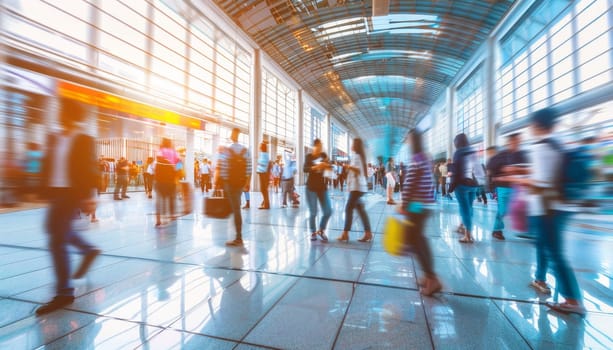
x=164, y=171
x=237, y=168
x=573, y=173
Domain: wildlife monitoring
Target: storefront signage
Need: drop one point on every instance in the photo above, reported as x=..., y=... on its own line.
x=120, y=104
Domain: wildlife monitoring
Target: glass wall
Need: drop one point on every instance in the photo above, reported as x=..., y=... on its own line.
x=338, y=149
x=569, y=52
x=278, y=111
x=469, y=109
x=440, y=133
x=146, y=46
x=313, y=125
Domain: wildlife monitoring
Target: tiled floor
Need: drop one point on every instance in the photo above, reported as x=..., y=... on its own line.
x=180, y=287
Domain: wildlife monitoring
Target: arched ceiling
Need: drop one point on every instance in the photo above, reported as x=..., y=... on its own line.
x=379, y=75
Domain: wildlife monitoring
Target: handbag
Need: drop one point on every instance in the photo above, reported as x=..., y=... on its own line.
x=217, y=206
x=396, y=237
x=518, y=210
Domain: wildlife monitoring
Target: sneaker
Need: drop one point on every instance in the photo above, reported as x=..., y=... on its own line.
x=323, y=236
x=117, y=198
x=314, y=236
x=125, y=197
x=498, y=235
x=57, y=303
x=283, y=205
x=86, y=263
x=567, y=308
x=541, y=287
x=235, y=243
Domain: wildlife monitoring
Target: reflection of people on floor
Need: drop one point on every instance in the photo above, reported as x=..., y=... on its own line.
x=565, y=329
x=166, y=244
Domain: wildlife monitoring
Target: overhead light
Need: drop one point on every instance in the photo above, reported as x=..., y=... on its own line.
x=405, y=23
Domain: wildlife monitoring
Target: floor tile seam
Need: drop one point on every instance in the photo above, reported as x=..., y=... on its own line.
x=423, y=309
x=353, y=290
x=90, y=291
x=340, y=327
x=515, y=263
x=505, y=317
x=72, y=259
x=291, y=287
x=72, y=331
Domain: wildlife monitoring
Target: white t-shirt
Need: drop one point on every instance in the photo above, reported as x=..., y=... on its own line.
x=544, y=160
x=59, y=170
x=356, y=181
x=205, y=169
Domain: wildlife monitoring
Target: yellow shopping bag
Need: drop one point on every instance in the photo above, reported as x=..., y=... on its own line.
x=395, y=237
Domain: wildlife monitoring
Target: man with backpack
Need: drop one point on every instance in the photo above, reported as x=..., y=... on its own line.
x=234, y=172
x=547, y=183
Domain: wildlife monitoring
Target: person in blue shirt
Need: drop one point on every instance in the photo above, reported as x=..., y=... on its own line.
x=264, y=175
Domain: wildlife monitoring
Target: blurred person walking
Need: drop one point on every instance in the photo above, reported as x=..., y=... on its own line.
x=417, y=190
x=512, y=155
x=444, y=170
x=263, y=170
x=32, y=167
x=390, y=176
x=165, y=177
x=276, y=174
x=315, y=164
x=546, y=214
x=205, y=176
x=69, y=174
x=466, y=170
x=437, y=177
x=287, y=179
x=148, y=176
x=122, y=173
x=357, y=186
x=234, y=173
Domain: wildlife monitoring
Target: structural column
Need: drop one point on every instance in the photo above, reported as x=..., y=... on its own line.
x=255, y=126
x=189, y=155
x=329, y=134
x=299, y=152
x=450, y=120
x=490, y=117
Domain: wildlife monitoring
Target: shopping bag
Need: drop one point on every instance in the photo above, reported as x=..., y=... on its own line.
x=217, y=206
x=518, y=210
x=396, y=235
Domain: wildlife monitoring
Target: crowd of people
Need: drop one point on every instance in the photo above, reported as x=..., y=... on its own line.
x=70, y=175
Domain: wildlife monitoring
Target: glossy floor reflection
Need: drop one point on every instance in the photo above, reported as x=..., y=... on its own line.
x=179, y=287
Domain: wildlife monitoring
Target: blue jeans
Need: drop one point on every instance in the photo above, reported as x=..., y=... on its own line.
x=466, y=196
x=326, y=208
x=504, y=197
x=549, y=250
x=234, y=196
x=355, y=202
x=62, y=209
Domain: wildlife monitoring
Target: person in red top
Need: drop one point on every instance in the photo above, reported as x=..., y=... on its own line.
x=417, y=189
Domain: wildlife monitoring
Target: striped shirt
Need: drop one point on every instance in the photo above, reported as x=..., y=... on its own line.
x=417, y=185
x=224, y=156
